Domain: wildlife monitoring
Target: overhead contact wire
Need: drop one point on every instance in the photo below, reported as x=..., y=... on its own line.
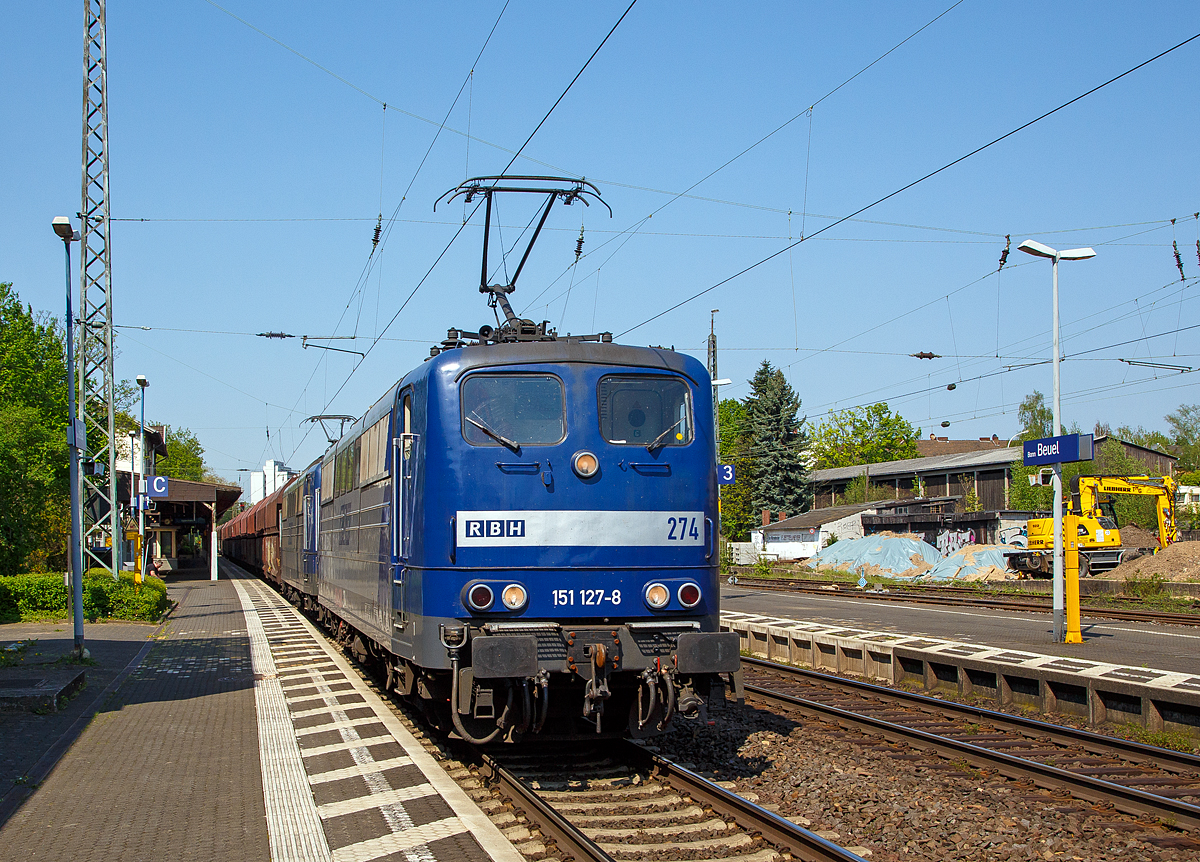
x=915, y=182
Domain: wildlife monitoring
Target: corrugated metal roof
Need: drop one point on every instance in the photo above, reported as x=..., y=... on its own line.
x=933, y=464
x=818, y=517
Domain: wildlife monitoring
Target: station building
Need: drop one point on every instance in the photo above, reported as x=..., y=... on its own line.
x=180, y=515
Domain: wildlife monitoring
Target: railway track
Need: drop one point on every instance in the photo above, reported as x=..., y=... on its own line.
x=1115, y=774
x=963, y=597
x=614, y=802
x=623, y=802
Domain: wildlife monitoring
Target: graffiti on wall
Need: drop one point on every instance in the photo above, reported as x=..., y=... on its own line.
x=949, y=541
x=1016, y=536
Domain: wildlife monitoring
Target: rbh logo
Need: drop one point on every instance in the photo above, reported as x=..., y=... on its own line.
x=495, y=529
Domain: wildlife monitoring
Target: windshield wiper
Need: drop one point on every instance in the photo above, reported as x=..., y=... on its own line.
x=659, y=439
x=495, y=435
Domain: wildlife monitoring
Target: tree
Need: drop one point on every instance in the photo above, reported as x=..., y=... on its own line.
x=864, y=435
x=1141, y=437
x=859, y=490
x=33, y=437
x=185, y=456
x=738, y=516
x=1185, y=435
x=777, y=444
x=1036, y=418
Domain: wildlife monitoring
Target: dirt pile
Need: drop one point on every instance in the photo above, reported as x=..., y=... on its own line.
x=1177, y=562
x=919, y=537
x=919, y=565
x=1136, y=537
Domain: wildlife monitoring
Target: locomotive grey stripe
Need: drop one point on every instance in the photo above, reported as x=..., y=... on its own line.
x=371, y=778
x=596, y=529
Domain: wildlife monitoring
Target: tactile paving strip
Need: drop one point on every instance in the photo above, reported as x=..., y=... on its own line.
x=371, y=789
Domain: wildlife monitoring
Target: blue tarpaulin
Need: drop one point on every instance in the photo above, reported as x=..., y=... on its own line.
x=879, y=555
x=972, y=563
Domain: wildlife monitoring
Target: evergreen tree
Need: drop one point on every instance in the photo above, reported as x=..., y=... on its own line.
x=777, y=444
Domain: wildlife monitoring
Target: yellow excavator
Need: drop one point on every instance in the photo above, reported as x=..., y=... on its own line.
x=1100, y=546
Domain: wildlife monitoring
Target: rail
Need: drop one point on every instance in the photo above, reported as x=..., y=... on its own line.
x=1086, y=787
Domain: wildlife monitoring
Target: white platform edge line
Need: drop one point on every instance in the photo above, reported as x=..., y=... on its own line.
x=358, y=770
x=487, y=833
x=384, y=737
x=293, y=825
x=314, y=729
x=368, y=801
x=395, y=842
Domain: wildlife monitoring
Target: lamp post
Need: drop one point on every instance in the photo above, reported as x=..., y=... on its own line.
x=75, y=429
x=1037, y=249
x=142, y=383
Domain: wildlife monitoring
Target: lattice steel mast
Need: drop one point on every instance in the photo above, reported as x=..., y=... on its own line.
x=101, y=519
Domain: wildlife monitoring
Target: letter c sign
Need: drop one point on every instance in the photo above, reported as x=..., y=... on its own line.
x=157, y=486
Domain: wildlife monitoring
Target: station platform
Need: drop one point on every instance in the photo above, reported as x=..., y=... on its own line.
x=1175, y=649
x=1122, y=674
x=233, y=732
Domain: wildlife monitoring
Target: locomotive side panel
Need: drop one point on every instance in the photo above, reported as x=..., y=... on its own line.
x=354, y=532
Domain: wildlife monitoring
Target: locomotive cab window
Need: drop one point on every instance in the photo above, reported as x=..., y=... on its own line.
x=644, y=410
x=513, y=410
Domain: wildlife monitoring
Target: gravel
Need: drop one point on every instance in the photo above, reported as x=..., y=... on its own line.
x=919, y=806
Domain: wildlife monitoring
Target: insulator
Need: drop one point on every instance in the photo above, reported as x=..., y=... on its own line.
x=378, y=231
x=579, y=245
x=1178, y=260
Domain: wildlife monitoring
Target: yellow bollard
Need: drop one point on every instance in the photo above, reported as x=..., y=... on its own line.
x=1071, y=578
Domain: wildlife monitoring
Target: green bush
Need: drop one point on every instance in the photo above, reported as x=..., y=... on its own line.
x=123, y=599
x=37, y=597
x=26, y=597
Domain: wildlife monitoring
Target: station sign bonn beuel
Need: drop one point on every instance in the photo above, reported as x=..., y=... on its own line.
x=1058, y=450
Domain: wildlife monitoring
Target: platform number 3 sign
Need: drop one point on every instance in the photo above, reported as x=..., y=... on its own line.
x=726, y=475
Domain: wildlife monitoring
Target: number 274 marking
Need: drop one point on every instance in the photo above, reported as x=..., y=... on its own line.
x=680, y=529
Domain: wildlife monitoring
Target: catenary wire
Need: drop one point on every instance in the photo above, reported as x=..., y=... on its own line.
x=915, y=182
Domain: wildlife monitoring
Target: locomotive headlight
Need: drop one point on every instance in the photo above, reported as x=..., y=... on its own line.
x=585, y=464
x=480, y=597
x=514, y=597
x=689, y=595
x=657, y=596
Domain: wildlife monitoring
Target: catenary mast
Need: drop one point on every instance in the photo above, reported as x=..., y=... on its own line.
x=101, y=536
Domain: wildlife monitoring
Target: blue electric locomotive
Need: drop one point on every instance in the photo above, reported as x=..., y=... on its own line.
x=522, y=532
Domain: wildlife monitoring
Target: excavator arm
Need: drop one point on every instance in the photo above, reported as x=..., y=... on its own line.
x=1163, y=488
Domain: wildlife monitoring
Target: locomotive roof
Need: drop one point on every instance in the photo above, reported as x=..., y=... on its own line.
x=587, y=352
x=529, y=353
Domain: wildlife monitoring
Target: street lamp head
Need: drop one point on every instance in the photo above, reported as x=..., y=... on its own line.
x=1035, y=248
x=62, y=227
x=142, y=381
x=724, y=381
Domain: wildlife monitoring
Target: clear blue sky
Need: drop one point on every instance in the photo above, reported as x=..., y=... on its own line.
x=212, y=122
